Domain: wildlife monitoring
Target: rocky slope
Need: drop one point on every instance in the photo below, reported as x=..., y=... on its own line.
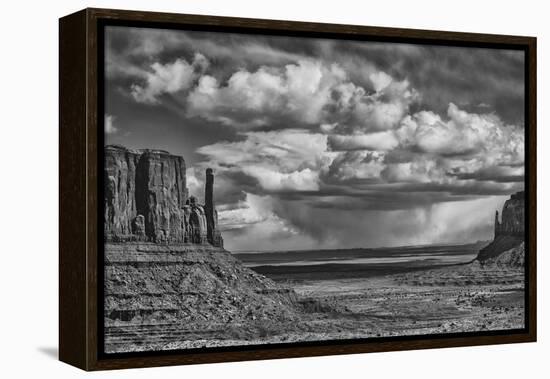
x=498, y=246
x=149, y=282
x=189, y=287
x=512, y=258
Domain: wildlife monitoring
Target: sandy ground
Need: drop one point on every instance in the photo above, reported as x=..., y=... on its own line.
x=462, y=298
x=447, y=300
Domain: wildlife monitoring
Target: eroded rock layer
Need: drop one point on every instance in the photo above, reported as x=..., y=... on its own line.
x=190, y=288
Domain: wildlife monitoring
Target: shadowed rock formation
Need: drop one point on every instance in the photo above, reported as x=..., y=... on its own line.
x=512, y=258
x=513, y=217
x=510, y=231
x=213, y=234
x=146, y=199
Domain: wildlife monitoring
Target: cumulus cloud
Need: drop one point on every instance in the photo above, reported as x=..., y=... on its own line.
x=308, y=93
x=250, y=99
x=382, y=110
x=418, y=170
x=427, y=148
x=356, y=165
x=168, y=78
x=274, y=180
x=252, y=210
x=453, y=155
x=289, y=159
x=463, y=133
x=378, y=143
x=380, y=80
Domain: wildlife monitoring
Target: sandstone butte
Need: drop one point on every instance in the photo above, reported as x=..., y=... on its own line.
x=146, y=199
x=164, y=257
x=509, y=232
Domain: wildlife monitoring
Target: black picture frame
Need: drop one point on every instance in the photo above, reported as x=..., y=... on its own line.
x=81, y=77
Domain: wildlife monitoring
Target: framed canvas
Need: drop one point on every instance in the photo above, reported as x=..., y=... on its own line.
x=240, y=189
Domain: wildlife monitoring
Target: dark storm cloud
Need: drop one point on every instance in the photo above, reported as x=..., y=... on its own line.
x=231, y=186
x=435, y=223
x=474, y=78
x=361, y=194
x=477, y=79
x=226, y=52
x=319, y=142
x=494, y=174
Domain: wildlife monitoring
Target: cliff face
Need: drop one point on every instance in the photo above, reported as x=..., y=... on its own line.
x=146, y=199
x=513, y=217
x=119, y=190
x=161, y=194
x=510, y=231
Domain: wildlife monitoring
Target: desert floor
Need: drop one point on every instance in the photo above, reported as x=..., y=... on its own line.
x=460, y=298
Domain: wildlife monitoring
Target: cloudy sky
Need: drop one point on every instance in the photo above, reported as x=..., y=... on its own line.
x=320, y=143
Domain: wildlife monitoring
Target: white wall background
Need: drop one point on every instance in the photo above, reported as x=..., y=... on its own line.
x=29, y=177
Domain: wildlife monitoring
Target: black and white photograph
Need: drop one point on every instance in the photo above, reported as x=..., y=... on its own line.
x=266, y=189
